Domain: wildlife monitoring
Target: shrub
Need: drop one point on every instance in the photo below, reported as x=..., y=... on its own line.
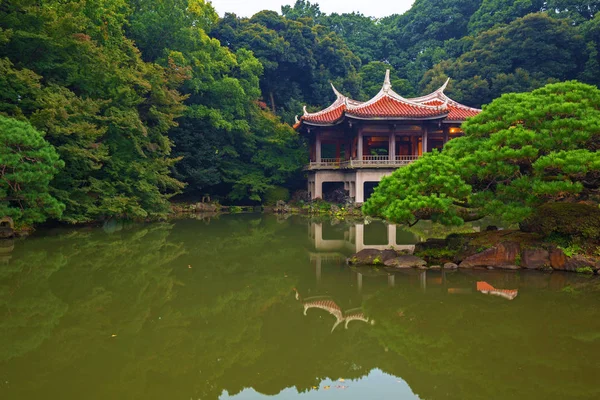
x=571, y=219
x=272, y=196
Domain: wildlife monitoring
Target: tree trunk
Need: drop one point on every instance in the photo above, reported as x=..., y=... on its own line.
x=272, y=102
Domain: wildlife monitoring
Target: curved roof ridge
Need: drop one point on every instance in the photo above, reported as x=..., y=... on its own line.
x=439, y=94
x=457, y=104
x=396, y=97
x=337, y=93
x=340, y=101
x=386, y=91
x=436, y=94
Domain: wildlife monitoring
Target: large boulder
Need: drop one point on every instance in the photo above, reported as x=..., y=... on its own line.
x=503, y=254
x=405, y=261
x=450, y=265
x=558, y=259
x=578, y=263
x=204, y=207
x=535, y=258
x=371, y=257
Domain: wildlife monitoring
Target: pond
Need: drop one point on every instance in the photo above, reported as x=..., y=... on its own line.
x=254, y=306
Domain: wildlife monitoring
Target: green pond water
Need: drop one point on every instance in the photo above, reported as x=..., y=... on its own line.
x=255, y=307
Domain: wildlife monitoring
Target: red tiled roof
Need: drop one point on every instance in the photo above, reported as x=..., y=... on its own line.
x=389, y=107
x=458, y=112
x=327, y=116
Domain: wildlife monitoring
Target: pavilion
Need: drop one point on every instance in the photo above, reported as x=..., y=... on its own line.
x=358, y=143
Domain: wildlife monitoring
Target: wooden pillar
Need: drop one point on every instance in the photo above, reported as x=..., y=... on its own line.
x=425, y=136
x=318, y=193
x=391, y=235
x=318, y=230
x=392, y=147
x=337, y=149
x=360, y=189
x=318, y=269
x=445, y=134
x=359, y=237
x=359, y=281
x=318, y=147
x=391, y=280
x=359, y=151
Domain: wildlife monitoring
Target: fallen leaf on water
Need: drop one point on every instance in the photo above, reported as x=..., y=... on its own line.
x=189, y=266
x=341, y=380
x=314, y=387
x=113, y=335
x=326, y=387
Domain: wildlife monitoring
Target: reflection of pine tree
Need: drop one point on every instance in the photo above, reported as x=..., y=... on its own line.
x=29, y=311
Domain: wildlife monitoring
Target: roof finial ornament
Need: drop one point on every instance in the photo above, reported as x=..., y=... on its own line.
x=338, y=94
x=387, y=85
x=443, y=87
x=304, y=109
x=296, y=118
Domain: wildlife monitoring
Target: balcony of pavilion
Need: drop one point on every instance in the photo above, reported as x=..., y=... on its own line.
x=399, y=146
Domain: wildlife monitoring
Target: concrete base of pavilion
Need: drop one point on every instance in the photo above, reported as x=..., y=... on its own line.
x=353, y=180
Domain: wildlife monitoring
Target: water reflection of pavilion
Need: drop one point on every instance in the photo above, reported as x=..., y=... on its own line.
x=331, y=245
x=353, y=240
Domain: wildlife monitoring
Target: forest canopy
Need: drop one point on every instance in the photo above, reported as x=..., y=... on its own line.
x=145, y=100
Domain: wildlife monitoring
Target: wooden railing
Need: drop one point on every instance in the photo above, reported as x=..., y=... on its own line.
x=365, y=162
x=406, y=159
x=326, y=163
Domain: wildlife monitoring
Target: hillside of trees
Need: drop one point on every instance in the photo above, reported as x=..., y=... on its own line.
x=110, y=108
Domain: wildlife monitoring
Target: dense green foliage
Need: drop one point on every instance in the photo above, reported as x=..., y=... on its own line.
x=569, y=220
x=70, y=70
x=228, y=144
x=27, y=164
x=522, y=151
x=122, y=91
x=488, y=47
x=143, y=100
x=500, y=60
x=300, y=58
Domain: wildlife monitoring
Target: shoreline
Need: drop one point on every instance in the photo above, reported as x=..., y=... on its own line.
x=509, y=250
